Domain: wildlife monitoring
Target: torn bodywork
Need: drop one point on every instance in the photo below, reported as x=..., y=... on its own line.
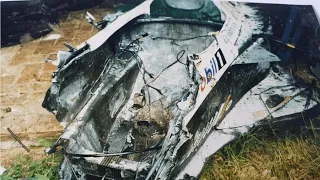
x=157, y=91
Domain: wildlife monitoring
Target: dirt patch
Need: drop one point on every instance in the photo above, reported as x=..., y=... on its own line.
x=25, y=76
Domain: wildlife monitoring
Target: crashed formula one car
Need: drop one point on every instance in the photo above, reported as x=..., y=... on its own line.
x=167, y=84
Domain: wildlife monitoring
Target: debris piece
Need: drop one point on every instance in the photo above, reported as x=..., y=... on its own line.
x=18, y=140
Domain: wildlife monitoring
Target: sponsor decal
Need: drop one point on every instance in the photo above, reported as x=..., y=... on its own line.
x=216, y=63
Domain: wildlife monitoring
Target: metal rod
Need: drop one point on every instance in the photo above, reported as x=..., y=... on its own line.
x=18, y=140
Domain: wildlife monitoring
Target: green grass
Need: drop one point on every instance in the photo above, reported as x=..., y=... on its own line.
x=46, y=142
x=265, y=157
x=25, y=166
x=252, y=156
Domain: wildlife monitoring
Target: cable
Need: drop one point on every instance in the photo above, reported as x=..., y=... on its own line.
x=136, y=40
x=134, y=53
x=141, y=65
x=181, y=53
x=139, y=61
x=114, y=154
x=185, y=39
x=158, y=90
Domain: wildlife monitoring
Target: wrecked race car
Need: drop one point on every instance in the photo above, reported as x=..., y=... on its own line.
x=167, y=84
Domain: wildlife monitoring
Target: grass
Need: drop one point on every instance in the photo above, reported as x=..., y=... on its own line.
x=29, y=166
x=250, y=157
x=25, y=167
x=260, y=157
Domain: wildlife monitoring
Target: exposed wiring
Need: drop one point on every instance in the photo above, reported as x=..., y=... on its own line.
x=213, y=34
x=142, y=67
x=134, y=53
x=141, y=64
x=184, y=39
x=179, y=56
x=139, y=60
x=136, y=40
